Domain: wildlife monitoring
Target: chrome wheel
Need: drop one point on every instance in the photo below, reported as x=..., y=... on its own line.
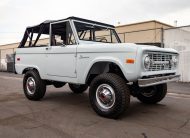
x=105, y=96
x=30, y=86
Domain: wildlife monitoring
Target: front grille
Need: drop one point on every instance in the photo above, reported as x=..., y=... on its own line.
x=160, y=61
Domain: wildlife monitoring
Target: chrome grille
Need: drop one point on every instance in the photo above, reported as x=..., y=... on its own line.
x=160, y=61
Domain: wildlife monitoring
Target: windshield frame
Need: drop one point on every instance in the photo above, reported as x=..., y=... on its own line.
x=95, y=24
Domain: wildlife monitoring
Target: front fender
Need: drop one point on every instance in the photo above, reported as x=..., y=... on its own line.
x=118, y=61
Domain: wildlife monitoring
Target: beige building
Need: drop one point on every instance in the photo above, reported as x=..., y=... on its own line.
x=149, y=32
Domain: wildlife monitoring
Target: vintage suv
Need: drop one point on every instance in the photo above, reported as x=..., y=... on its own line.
x=85, y=53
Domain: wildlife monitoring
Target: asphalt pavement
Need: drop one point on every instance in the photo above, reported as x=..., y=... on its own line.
x=62, y=113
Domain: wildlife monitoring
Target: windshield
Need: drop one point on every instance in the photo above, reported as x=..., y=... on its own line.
x=96, y=33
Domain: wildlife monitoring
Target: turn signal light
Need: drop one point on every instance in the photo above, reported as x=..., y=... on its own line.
x=130, y=61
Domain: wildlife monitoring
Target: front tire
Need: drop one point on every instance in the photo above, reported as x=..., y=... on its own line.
x=152, y=94
x=109, y=95
x=78, y=88
x=34, y=87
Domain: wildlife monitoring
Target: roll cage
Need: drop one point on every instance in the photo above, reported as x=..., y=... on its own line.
x=45, y=29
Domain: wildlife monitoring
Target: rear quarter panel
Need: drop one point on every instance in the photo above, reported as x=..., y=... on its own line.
x=30, y=57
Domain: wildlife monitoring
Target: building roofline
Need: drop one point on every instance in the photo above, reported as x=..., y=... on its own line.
x=9, y=44
x=155, y=21
x=106, y=24
x=18, y=43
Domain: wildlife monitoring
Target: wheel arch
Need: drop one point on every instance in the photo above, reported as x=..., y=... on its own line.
x=104, y=66
x=30, y=68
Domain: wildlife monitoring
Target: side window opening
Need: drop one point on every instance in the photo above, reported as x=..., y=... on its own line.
x=37, y=36
x=96, y=33
x=43, y=40
x=62, y=34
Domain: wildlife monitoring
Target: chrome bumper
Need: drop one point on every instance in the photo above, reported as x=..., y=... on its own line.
x=157, y=80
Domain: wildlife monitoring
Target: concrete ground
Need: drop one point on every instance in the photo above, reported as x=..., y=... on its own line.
x=64, y=114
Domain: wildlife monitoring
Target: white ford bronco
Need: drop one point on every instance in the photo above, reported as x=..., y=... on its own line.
x=85, y=53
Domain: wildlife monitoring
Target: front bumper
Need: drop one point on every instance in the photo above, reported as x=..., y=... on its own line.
x=157, y=80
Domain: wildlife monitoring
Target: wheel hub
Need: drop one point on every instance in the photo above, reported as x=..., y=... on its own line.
x=31, y=85
x=105, y=96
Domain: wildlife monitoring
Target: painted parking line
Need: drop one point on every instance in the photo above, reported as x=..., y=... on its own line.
x=178, y=95
x=10, y=78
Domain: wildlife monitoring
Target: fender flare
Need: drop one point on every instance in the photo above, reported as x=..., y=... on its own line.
x=103, y=59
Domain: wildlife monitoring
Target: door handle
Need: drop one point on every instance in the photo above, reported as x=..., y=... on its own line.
x=81, y=56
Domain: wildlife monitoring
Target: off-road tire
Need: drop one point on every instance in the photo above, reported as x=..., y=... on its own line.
x=122, y=95
x=160, y=92
x=78, y=88
x=58, y=84
x=40, y=88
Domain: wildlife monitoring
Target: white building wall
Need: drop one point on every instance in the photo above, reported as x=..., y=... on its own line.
x=179, y=39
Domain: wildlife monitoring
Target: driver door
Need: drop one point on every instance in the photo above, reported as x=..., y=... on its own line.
x=61, y=55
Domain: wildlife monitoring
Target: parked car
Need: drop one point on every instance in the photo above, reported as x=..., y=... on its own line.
x=85, y=53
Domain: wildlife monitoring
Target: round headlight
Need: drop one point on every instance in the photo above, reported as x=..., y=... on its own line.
x=174, y=61
x=147, y=62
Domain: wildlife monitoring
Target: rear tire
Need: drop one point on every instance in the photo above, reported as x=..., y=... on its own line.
x=78, y=88
x=152, y=94
x=109, y=95
x=58, y=84
x=34, y=87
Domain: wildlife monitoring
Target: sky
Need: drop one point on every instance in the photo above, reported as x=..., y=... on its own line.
x=16, y=15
